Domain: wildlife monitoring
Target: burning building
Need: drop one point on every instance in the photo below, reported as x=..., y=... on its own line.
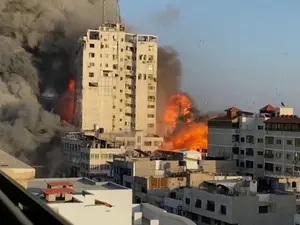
x=184, y=126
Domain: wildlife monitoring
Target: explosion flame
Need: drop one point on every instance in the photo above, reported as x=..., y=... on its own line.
x=67, y=102
x=185, y=127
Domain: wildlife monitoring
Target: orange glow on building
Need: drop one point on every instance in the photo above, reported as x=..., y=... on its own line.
x=67, y=102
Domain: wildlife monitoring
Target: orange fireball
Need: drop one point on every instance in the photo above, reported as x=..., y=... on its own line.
x=184, y=131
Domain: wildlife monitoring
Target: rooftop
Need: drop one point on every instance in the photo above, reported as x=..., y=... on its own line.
x=267, y=108
x=80, y=184
x=8, y=161
x=286, y=119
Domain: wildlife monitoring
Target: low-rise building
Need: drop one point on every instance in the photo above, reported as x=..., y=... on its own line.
x=16, y=169
x=88, y=155
x=84, y=201
x=125, y=167
x=223, y=202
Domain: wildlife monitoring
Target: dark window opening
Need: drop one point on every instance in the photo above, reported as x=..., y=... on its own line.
x=93, y=84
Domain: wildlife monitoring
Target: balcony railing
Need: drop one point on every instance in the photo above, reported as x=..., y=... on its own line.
x=18, y=206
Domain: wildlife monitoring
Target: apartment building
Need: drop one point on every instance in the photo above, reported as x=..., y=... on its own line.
x=87, y=155
x=116, y=74
x=174, y=199
x=223, y=202
x=282, y=146
x=240, y=136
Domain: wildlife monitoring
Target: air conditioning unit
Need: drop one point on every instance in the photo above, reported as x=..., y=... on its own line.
x=237, y=131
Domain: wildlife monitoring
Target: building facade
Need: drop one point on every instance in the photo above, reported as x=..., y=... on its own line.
x=88, y=155
x=116, y=74
x=256, y=145
x=223, y=202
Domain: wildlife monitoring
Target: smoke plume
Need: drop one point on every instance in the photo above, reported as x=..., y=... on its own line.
x=35, y=40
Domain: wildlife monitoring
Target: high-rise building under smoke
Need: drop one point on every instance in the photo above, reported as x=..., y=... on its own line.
x=116, y=76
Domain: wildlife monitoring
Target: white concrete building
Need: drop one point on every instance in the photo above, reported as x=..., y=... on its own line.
x=245, y=138
x=88, y=155
x=223, y=202
x=83, y=201
x=116, y=80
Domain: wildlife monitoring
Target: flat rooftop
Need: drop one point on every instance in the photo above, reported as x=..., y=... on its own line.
x=79, y=184
x=8, y=161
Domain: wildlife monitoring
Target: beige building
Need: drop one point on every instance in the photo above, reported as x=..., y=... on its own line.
x=88, y=155
x=16, y=169
x=117, y=75
x=137, y=140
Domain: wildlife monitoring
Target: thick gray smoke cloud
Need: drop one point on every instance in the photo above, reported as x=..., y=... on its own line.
x=35, y=39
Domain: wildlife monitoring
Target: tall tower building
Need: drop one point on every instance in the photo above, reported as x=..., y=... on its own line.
x=116, y=80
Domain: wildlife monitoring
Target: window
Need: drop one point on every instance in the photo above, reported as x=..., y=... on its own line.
x=242, y=152
x=260, y=166
x=223, y=209
x=151, y=106
x=297, y=142
x=93, y=84
x=278, y=142
x=91, y=64
x=260, y=153
x=92, y=45
x=91, y=74
x=115, y=66
x=263, y=209
x=269, y=140
x=294, y=184
x=250, y=139
x=260, y=127
x=210, y=206
x=94, y=35
x=242, y=139
x=198, y=203
x=147, y=143
x=249, y=151
x=249, y=164
x=92, y=55
x=150, y=125
x=289, y=142
x=260, y=140
x=150, y=115
x=187, y=201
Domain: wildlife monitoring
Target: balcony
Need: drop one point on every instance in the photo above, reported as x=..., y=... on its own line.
x=21, y=207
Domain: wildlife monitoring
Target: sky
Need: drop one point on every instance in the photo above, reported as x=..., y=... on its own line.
x=238, y=52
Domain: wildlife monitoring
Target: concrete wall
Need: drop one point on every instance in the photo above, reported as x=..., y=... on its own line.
x=20, y=175
x=218, y=166
x=220, y=141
